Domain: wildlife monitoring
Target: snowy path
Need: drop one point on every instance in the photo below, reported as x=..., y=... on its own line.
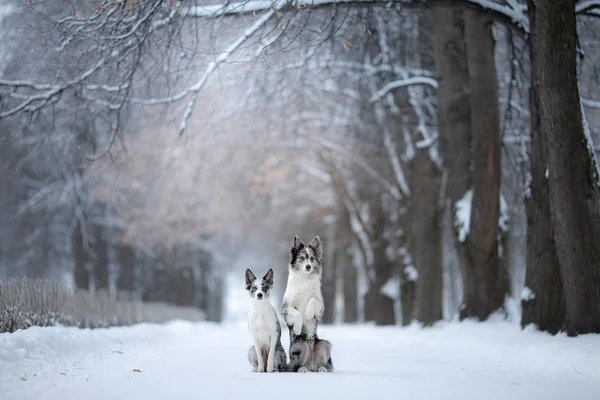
x=204, y=361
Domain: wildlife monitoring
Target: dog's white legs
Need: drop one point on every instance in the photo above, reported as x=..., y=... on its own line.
x=311, y=308
x=271, y=359
x=322, y=369
x=261, y=362
x=294, y=318
x=297, y=325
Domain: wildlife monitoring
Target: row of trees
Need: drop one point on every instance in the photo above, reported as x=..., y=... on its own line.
x=61, y=213
x=441, y=149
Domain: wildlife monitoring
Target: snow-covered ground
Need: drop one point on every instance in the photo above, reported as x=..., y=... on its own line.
x=205, y=361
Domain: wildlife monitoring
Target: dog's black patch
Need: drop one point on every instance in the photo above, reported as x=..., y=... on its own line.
x=297, y=246
x=294, y=255
x=265, y=287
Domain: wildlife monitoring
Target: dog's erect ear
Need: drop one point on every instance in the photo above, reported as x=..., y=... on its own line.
x=268, y=278
x=250, y=278
x=297, y=245
x=317, y=247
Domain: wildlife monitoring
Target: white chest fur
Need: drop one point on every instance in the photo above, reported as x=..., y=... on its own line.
x=300, y=289
x=262, y=322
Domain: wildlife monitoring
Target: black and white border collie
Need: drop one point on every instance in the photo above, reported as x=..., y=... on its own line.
x=264, y=326
x=302, y=308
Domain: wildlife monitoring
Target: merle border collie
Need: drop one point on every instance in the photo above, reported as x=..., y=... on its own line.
x=302, y=308
x=264, y=326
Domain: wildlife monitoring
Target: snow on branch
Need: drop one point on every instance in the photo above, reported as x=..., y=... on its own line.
x=590, y=103
x=590, y=146
x=517, y=12
x=39, y=100
x=395, y=161
x=514, y=11
x=417, y=80
x=251, y=6
x=224, y=56
x=118, y=31
x=216, y=10
x=511, y=10
x=358, y=227
x=584, y=7
x=391, y=189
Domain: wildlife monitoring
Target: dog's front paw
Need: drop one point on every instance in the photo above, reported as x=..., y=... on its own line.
x=297, y=327
x=270, y=368
x=322, y=369
x=303, y=369
x=319, y=314
x=260, y=368
x=312, y=308
x=310, y=312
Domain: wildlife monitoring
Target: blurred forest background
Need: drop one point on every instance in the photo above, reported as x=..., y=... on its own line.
x=151, y=150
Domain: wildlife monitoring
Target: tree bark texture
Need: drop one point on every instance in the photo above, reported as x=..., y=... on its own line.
x=329, y=273
x=346, y=268
x=426, y=237
x=454, y=112
x=379, y=307
x=572, y=169
x=485, y=276
x=407, y=299
x=543, y=303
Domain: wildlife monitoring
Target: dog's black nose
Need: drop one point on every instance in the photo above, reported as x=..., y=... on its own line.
x=308, y=267
x=260, y=295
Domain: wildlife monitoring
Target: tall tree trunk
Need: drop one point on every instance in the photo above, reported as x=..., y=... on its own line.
x=407, y=298
x=346, y=267
x=542, y=299
x=126, y=261
x=344, y=236
x=453, y=289
x=486, y=277
x=329, y=274
x=454, y=112
x=219, y=297
x=572, y=168
x=80, y=258
x=378, y=306
x=181, y=286
x=426, y=236
x=100, y=249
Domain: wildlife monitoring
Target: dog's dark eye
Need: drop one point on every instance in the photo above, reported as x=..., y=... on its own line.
x=301, y=258
x=253, y=290
x=312, y=259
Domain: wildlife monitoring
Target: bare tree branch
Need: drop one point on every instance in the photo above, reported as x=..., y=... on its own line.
x=590, y=103
x=418, y=80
